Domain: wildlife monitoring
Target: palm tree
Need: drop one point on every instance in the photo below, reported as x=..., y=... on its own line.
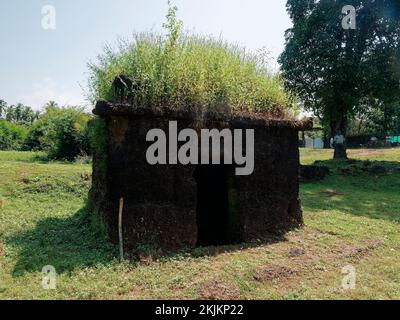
x=50, y=105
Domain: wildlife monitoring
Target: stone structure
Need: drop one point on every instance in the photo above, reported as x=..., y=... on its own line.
x=176, y=206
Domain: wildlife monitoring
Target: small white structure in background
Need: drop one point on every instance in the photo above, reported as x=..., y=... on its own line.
x=318, y=143
x=315, y=143
x=339, y=139
x=309, y=143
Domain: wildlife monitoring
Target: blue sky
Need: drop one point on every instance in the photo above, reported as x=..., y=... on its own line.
x=38, y=65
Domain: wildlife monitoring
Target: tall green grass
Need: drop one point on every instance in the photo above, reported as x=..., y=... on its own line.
x=183, y=71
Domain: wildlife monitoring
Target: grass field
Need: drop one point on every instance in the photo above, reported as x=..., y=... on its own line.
x=351, y=218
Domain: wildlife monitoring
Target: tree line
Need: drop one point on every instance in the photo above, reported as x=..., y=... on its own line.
x=62, y=132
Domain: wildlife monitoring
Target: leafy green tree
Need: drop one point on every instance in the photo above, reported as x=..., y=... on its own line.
x=20, y=114
x=332, y=69
x=61, y=132
x=12, y=136
x=377, y=119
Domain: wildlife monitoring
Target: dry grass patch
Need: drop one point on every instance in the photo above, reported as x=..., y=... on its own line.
x=331, y=193
x=274, y=273
x=356, y=253
x=218, y=290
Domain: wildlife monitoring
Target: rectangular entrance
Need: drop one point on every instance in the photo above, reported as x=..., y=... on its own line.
x=212, y=205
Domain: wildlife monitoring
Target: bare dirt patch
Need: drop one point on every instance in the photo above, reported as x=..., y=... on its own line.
x=331, y=193
x=296, y=252
x=218, y=290
x=145, y=259
x=356, y=253
x=367, y=153
x=308, y=253
x=134, y=292
x=273, y=273
x=1, y=249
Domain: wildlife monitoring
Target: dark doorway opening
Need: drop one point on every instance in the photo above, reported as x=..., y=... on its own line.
x=212, y=205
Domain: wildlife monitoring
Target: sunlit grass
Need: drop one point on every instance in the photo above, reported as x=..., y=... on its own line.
x=43, y=221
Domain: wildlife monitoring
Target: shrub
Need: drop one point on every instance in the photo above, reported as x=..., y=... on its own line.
x=12, y=135
x=182, y=71
x=62, y=132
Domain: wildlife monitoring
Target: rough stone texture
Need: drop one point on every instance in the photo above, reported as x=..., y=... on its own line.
x=161, y=201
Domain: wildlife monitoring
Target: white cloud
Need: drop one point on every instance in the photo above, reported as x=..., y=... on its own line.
x=47, y=89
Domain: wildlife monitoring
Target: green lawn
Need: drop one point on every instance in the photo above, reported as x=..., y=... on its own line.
x=351, y=218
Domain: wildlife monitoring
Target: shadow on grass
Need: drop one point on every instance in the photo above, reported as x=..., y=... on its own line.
x=66, y=244
x=211, y=251
x=203, y=251
x=45, y=159
x=361, y=188
x=40, y=157
x=74, y=242
x=356, y=167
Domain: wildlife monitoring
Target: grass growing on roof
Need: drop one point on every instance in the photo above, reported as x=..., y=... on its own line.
x=181, y=70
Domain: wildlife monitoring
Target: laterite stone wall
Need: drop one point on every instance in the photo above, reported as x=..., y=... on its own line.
x=160, y=202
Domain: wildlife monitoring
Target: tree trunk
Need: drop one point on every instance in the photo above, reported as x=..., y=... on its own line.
x=303, y=139
x=340, y=151
x=339, y=132
x=385, y=120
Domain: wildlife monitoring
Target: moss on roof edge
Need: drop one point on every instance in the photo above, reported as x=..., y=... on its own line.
x=105, y=108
